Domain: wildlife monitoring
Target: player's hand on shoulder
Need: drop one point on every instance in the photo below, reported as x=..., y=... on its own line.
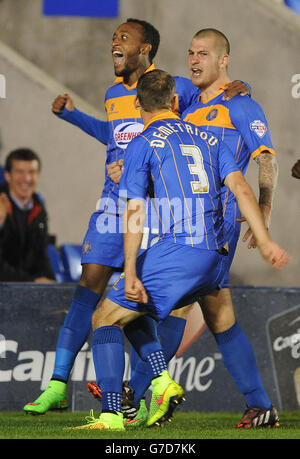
x=234, y=88
x=296, y=169
x=62, y=101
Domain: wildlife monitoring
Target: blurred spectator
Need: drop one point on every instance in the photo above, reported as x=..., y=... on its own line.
x=23, y=222
x=296, y=169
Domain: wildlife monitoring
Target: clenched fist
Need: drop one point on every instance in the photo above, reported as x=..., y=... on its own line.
x=62, y=101
x=114, y=170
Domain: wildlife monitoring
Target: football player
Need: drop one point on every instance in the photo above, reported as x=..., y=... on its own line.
x=188, y=167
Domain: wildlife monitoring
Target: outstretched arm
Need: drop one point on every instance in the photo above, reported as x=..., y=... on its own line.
x=270, y=251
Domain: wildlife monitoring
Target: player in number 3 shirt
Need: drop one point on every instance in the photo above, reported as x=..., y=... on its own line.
x=187, y=167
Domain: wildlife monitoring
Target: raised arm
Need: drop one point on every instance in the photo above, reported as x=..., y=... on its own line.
x=64, y=108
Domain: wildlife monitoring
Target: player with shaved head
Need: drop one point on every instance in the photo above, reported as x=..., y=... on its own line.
x=241, y=123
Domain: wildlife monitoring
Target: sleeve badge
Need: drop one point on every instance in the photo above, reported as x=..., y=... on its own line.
x=259, y=128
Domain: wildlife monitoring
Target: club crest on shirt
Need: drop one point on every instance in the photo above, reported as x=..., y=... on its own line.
x=258, y=127
x=212, y=114
x=86, y=248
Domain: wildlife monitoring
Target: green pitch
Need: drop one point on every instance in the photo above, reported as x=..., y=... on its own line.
x=184, y=426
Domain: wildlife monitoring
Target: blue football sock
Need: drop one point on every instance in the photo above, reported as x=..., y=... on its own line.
x=74, y=331
x=142, y=334
x=141, y=381
x=170, y=332
x=134, y=359
x=239, y=359
x=157, y=362
x=109, y=362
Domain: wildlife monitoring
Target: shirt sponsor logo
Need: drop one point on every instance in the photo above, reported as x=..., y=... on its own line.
x=125, y=132
x=259, y=128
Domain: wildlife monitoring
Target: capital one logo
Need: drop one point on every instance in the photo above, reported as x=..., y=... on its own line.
x=2, y=87
x=35, y=365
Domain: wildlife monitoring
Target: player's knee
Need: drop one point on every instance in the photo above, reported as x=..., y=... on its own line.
x=218, y=311
x=219, y=321
x=110, y=314
x=101, y=319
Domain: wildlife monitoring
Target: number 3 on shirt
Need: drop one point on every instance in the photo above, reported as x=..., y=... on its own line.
x=197, y=168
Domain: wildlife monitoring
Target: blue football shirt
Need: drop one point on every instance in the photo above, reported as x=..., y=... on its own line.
x=187, y=167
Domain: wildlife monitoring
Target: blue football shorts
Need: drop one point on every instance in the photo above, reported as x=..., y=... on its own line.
x=103, y=243
x=174, y=276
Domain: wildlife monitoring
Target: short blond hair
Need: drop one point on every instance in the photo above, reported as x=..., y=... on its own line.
x=221, y=40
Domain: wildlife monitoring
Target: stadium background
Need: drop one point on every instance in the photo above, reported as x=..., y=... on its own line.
x=42, y=56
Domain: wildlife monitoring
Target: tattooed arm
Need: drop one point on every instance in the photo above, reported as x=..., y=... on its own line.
x=267, y=179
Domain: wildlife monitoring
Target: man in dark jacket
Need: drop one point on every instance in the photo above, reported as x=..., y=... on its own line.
x=23, y=222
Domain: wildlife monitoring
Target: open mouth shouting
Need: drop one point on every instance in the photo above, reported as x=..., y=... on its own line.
x=118, y=58
x=196, y=72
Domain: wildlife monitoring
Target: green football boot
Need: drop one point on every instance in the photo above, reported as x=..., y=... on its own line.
x=106, y=421
x=166, y=397
x=139, y=419
x=53, y=398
